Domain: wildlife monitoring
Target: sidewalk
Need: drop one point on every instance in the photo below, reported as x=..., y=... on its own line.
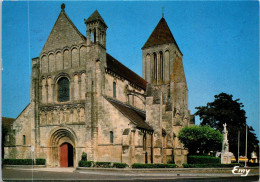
x=196, y=172
x=172, y=171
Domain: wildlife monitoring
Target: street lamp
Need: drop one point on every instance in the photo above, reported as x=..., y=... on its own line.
x=246, y=147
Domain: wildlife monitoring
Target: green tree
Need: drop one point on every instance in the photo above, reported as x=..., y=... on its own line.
x=200, y=138
x=226, y=110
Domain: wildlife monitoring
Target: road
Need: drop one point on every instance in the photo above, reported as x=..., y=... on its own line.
x=71, y=175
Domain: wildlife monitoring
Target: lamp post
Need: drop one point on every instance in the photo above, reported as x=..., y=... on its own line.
x=238, y=146
x=246, y=147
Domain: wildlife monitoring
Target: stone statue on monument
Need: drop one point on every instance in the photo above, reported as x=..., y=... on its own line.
x=225, y=154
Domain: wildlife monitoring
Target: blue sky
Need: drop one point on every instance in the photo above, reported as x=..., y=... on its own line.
x=219, y=41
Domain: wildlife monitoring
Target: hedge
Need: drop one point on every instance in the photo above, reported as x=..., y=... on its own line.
x=102, y=164
x=83, y=163
x=252, y=164
x=24, y=162
x=198, y=159
x=40, y=161
x=210, y=165
x=119, y=165
x=139, y=165
x=18, y=161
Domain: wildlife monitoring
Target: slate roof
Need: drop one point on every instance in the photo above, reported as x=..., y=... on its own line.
x=94, y=17
x=161, y=35
x=134, y=115
x=118, y=68
x=7, y=122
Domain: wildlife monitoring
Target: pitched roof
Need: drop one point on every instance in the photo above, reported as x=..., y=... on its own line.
x=134, y=115
x=161, y=35
x=118, y=68
x=64, y=33
x=95, y=17
x=7, y=122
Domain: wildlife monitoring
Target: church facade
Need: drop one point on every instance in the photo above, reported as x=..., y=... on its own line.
x=84, y=100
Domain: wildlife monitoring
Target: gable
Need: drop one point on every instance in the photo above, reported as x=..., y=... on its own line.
x=64, y=33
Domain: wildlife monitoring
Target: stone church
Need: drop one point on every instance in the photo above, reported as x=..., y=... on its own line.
x=85, y=100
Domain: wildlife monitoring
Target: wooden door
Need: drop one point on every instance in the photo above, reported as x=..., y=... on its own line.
x=64, y=155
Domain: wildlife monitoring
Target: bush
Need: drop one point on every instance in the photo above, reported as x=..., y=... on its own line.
x=102, y=164
x=40, y=161
x=83, y=163
x=84, y=156
x=139, y=165
x=119, y=165
x=170, y=162
x=210, y=165
x=198, y=159
x=253, y=164
x=18, y=161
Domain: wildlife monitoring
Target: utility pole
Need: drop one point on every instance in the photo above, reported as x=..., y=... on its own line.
x=246, y=147
x=238, y=146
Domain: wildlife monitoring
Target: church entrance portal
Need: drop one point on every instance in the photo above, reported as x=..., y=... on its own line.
x=62, y=147
x=66, y=155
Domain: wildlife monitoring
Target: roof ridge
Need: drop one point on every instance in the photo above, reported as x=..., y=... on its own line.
x=128, y=69
x=128, y=105
x=110, y=99
x=114, y=102
x=8, y=117
x=74, y=25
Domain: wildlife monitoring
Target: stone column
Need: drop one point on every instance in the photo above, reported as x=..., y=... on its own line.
x=158, y=68
x=132, y=146
x=46, y=90
x=88, y=37
x=97, y=35
x=53, y=92
x=79, y=87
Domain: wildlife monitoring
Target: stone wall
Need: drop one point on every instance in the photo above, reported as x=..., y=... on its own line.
x=122, y=91
x=22, y=130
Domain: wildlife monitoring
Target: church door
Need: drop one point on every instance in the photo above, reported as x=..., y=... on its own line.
x=66, y=155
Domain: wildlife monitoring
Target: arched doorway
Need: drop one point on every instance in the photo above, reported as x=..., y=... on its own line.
x=62, y=153
x=66, y=155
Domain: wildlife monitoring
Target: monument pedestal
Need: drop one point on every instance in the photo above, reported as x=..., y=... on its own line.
x=226, y=157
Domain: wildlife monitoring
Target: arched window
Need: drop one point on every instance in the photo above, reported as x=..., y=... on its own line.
x=63, y=89
x=155, y=66
x=161, y=66
x=114, y=89
x=24, y=140
x=111, y=137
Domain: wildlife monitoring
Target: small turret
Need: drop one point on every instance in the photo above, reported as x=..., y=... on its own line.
x=96, y=30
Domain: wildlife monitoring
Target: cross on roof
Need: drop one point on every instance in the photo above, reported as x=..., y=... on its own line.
x=163, y=12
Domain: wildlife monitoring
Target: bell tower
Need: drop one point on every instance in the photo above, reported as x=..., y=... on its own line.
x=166, y=93
x=159, y=54
x=96, y=30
